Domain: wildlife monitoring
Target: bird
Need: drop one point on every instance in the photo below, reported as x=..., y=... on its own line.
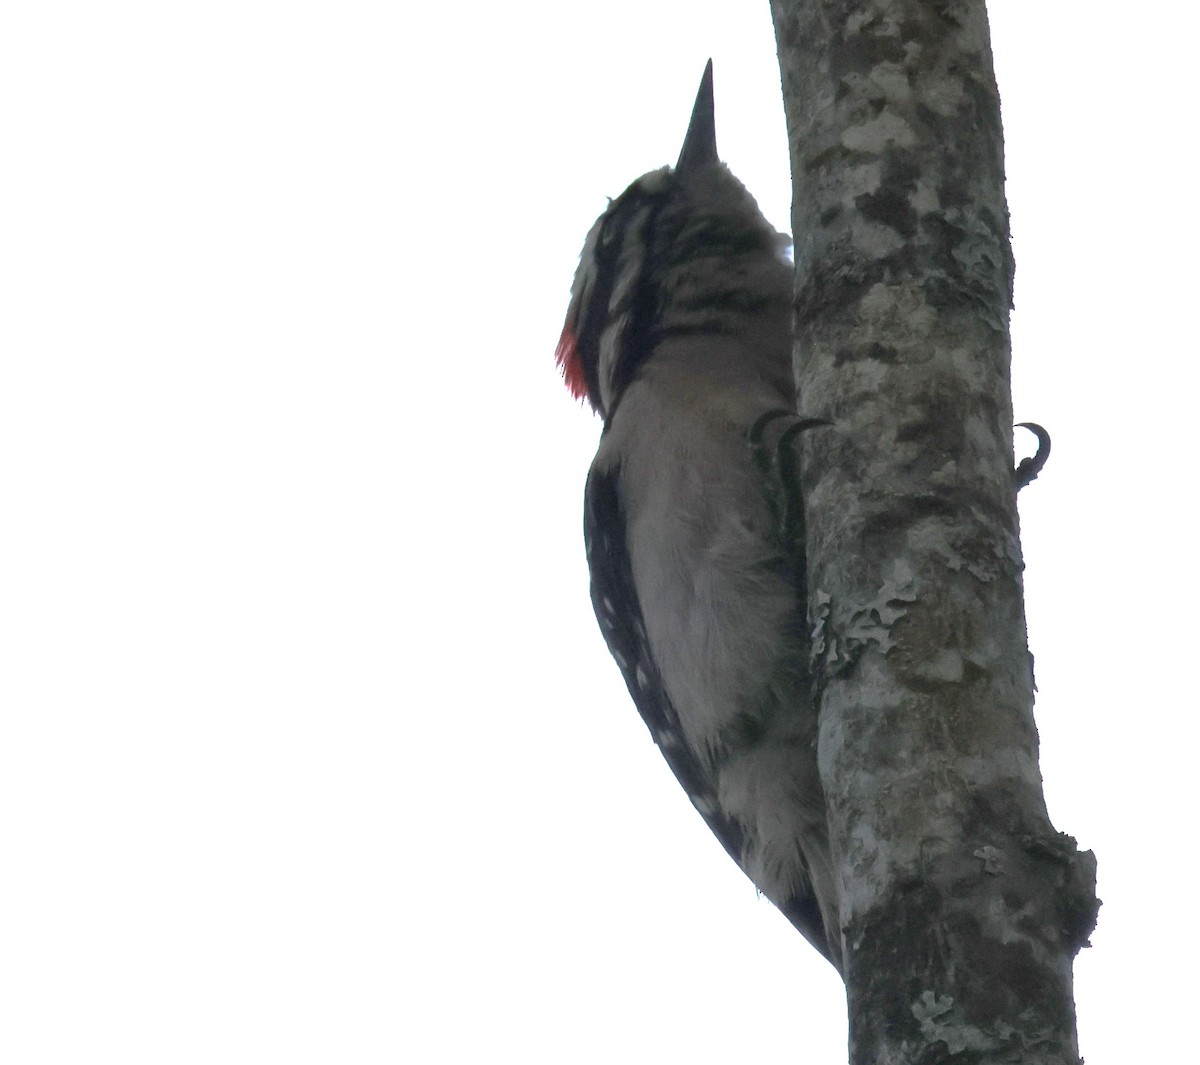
x=678, y=335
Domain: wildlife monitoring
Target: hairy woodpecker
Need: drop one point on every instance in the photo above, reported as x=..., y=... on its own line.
x=678, y=334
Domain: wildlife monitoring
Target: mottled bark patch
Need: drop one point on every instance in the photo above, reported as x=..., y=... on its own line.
x=961, y=907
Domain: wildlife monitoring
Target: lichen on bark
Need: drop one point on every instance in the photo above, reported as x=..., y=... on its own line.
x=961, y=906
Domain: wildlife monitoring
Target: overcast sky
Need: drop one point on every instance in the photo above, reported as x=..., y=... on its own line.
x=311, y=750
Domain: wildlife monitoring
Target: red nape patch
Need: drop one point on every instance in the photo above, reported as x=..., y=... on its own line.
x=571, y=364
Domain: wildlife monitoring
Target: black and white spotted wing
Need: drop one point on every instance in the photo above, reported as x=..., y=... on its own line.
x=615, y=601
x=619, y=613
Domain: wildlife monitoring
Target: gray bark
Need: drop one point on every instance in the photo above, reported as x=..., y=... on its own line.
x=961, y=906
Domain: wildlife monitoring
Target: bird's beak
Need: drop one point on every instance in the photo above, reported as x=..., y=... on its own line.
x=700, y=144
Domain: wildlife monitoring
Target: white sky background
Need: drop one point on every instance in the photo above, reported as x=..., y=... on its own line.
x=311, y=750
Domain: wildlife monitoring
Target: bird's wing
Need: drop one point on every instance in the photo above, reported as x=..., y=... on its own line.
x=619, y=613
x=615, y=600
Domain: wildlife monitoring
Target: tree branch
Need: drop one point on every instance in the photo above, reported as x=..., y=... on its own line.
x=961, y=906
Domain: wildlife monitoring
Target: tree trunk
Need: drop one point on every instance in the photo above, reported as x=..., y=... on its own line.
x=961, y=907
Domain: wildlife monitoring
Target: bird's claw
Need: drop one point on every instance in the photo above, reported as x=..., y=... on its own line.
x=1027, y=469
